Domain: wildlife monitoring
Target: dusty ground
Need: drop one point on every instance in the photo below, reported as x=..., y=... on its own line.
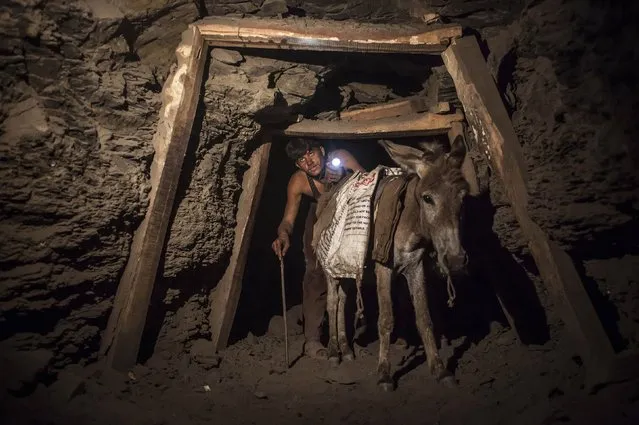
x=500, y=382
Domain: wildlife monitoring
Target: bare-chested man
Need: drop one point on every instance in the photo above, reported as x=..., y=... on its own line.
x=312, y=178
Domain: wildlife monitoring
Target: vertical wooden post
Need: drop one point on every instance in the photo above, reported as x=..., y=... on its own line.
x=491, y=125
x=225, y=298
x=468, y=168
x=180, y=95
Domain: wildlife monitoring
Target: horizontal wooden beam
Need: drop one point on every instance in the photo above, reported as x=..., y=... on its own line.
x=424, y=124
x=325, y=35
x=395, y=108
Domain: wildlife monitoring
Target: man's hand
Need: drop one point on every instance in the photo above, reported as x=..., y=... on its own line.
x=281, y=245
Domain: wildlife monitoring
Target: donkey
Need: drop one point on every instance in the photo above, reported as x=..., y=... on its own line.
x=429, y=224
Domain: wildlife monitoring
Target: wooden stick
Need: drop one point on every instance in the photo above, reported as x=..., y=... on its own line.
x=423, y=124
x=284, y=310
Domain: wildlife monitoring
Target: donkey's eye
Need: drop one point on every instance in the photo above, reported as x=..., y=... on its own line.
x=428, y=199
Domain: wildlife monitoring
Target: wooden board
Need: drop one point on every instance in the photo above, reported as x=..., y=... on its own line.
x=227, y=292
x=395, y=108
x=180, y=95
x=468, y=168
x=326, y=35
x=486, y=113
x=491, y=125
x=423, y=124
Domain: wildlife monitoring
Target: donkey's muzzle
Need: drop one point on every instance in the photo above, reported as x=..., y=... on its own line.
x=457, y=263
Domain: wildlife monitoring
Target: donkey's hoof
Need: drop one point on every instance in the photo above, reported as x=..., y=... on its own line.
x=333, y=361
x=386, y=386
x=348, y=357
x=449, y=381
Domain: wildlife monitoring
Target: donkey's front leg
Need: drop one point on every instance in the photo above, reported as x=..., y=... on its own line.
x=384, y=325
x=332, y=299
x=417, y=286
x=347, y=353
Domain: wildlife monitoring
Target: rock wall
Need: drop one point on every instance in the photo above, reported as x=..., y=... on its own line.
x=80, y=99
x=565, y=68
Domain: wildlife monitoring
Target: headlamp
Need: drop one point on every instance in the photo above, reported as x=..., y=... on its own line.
x=336, y=162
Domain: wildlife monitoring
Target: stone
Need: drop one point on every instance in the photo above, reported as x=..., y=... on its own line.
x=229, y=57
x=297, y=83
x=20, y=369
x=69, y=384
x=26, y=120
x=294, y=320
x=273, y=8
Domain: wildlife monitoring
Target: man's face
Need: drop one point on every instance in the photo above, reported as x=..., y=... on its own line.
x=312, y=162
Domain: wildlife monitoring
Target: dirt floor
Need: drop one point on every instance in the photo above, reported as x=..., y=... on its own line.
x=500, y=382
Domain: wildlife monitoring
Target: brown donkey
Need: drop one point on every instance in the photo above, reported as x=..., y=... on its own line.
x=429, y=223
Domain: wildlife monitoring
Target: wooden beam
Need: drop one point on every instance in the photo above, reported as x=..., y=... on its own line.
x=468, y=168
x=423, y=124
x=326, y=35
x=227, y=292
x=491, y=125
x=486, y=113
x=180, y=95
x=395, y=108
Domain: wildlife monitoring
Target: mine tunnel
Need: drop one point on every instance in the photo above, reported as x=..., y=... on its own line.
x=145, y=173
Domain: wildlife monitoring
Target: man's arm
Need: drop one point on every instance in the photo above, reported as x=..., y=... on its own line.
x=284, y=230
x=348, y=161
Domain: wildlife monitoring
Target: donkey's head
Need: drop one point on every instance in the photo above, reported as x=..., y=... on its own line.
x=439, y=192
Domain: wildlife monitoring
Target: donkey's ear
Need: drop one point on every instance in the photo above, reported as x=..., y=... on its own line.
x=410, y=159
x=457, y=152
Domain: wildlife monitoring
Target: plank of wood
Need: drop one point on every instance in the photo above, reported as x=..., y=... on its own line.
x=440, y=108
x=180, y=94
x=227, y=292
x=394, y=108
x=491, y=125
x=326, y=35
x=486, y=113
x=558, y=271
x=423, y=124
x=468, y=168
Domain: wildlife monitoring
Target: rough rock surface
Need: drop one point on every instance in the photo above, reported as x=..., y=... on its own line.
x=80, y=97
x=568, y=92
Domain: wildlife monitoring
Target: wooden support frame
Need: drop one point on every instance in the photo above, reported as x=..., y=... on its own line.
x=493, y=130
x=225, y=298
x=181, y=93
x=484, y=112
